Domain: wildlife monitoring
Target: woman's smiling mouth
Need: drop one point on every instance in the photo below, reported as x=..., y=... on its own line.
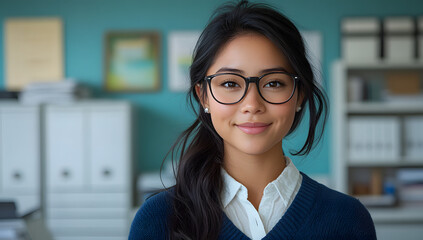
x=253, y=127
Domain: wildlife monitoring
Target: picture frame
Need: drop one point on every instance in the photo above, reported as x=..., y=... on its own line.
x=181, y=45
x=132, y=61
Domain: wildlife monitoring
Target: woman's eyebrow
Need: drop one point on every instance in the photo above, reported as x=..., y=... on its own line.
x=277, y=69
x=234, y=70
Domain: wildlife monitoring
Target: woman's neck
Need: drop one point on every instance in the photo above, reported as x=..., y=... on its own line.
x=255, y=172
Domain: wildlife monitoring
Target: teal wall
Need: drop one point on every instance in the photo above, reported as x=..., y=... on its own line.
x=160, y=116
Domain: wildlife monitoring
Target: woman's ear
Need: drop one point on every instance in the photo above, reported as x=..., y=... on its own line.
x=200, y=93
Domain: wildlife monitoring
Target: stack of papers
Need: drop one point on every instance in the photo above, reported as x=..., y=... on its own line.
x=411, y=186
x=66, y=91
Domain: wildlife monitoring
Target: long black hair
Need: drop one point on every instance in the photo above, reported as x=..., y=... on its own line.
x=197, y=212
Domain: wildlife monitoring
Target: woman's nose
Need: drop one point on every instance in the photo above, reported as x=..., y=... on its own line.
x=252, y=102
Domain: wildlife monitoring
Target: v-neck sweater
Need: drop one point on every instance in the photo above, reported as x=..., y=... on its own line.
x=317, y=212
x=276, y=199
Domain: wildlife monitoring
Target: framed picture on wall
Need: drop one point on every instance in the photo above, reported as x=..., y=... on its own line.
x=181, y=46
x=132, y=61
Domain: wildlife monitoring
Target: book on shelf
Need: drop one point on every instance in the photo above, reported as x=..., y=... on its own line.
x=393, y=87
x=374, y=187
x=410, y=175
x=411, y=186
x=412, y=192
x=402, y=87
x=403, y=82
x=362, y=89
x=356, y=89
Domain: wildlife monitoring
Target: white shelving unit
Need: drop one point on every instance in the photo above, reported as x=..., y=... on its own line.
x=398, y=221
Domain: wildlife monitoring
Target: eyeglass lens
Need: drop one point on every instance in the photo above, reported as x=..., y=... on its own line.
x=274, y=87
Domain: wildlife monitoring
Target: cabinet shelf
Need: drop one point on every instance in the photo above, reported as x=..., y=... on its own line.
x=385, y=108
x=397, y=214
x=385, y=66
x=401, y=163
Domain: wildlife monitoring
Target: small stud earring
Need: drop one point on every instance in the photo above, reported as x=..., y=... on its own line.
x=206, y=110
x=298, y=109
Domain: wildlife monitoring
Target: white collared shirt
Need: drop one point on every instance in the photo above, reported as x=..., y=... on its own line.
x=277, y=197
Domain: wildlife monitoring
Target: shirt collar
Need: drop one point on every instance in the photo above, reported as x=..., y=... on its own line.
x=230, y=188
x=284, y=184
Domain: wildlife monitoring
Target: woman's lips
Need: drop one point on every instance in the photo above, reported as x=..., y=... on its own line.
x=253, y=127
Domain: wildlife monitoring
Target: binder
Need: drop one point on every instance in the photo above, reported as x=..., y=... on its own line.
x=413, y=127
x=375, y=139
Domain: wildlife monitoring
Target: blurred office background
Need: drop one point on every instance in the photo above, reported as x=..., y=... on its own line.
x=83, y=133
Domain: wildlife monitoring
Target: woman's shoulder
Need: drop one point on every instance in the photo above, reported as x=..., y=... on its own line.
x=159, y=199
x=330, y=197
x=158, y=205
x=152, y=217
x=340, y=202
x=341, y=210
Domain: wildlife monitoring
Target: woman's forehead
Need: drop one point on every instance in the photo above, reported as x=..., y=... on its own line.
x=250, y=53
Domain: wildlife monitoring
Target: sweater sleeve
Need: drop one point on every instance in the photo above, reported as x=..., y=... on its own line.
x=150, y=222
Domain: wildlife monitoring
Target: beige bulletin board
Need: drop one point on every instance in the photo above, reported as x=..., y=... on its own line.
x=33, y=51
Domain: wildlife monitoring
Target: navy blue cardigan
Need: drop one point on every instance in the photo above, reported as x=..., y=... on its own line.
x=317, y=212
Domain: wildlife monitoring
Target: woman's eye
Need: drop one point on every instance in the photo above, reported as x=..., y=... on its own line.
x=274, y=84
x=230, y=84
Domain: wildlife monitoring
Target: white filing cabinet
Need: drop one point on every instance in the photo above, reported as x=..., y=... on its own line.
x=20, y=155
x=88, y=170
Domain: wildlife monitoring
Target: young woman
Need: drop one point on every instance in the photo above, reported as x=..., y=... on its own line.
x=252, y=81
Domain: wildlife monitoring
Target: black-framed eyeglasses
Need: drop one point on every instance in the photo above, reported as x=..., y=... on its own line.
x=273, y=87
